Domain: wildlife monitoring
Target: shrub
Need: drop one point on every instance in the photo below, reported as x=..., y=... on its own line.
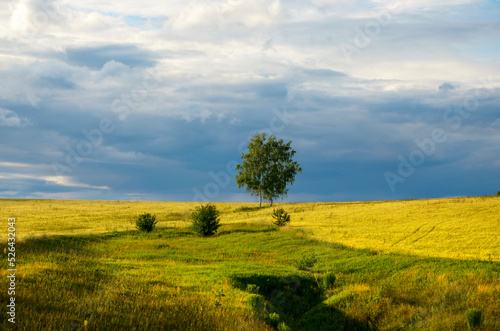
x=324, y=317
x=281, y=217
x=146, y=222
x=307, y=263
x=252, y=288
x=293, y=294
x=218, y=295
x=283, y=327
x=328, y=280
x=274, y=319
x=474, y=317
x=205, y=220
x=256, y=301
x=498, y=193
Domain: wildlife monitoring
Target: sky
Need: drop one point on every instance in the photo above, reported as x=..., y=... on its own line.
x=151, y=100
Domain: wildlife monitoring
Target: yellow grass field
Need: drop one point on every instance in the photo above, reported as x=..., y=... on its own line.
x=461, y=228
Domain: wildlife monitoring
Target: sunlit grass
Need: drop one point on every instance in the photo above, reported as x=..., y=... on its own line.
x=83, y=262
x=464, y=228
x=168, y=279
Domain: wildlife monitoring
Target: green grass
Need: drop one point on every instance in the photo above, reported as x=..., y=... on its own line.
x=459, y=228
x=171, y=279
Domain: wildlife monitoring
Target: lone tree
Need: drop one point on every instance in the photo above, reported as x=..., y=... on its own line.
x=267, y=168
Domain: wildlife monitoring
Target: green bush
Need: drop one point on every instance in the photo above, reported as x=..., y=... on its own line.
x=205, y=220
x=291, y=295
x=252, y=288
x=274, y=319
x=256, y=301
x=146, y=222
x=324, y=317
x=474, y=317
x=306, y=263
x=328, y=280
x=283, y=327
x=281, y=217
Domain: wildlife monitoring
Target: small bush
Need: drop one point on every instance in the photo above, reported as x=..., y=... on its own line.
x=256, y=301
x=306, y=263
x=252, y=288
x=341, y=299
x=324, y=317
x=293, y=294
x=205, y=220
x=218, y=295
x=283, y=327
x=328, y=280
x=146, y=222
x=274, y=319
x=498, y=193
x=474, y=317
x=281, y=217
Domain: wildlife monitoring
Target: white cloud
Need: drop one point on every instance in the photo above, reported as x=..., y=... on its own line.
x=215, y=14
x=10, y=118
x=30, y=18
x=426, y=4
x=65, y=195
x=18, y=165
x=8, y=193
x=57, y=180
x=129, y=7
x=68, y=181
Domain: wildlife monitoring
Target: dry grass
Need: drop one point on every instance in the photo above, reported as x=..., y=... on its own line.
x=168, y=279
x=463, y=228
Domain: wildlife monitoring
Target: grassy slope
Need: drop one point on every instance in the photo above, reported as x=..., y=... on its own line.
x=464, y=228
x=126, y=279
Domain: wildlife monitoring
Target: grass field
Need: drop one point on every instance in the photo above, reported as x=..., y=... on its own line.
x=463, y=228
x=412, y=265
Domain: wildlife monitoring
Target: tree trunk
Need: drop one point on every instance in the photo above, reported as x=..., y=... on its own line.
x=260, y=192
x=271, y=202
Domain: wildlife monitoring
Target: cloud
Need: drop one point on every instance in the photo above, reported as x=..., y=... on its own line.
x=22, y=183
x=34, y=82
x=68, y=181
x=227, y=13
x=29, y=17
x=96, y=57
x=15, y=164
x=226, y=69
x=446, y=87
x=80, y=195
x=8, y=193
x=10, y=118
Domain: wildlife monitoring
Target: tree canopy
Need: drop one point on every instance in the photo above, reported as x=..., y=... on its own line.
x=267, y=167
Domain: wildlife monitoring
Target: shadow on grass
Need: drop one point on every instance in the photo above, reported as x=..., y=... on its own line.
x=246, y=228
x=78, y=242
x=157, y=233
x=57, y=243
x=249, y=209
x=298, y=300
x=175, y=232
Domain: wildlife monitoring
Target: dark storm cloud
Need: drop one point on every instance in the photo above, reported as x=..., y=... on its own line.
x=196, y=90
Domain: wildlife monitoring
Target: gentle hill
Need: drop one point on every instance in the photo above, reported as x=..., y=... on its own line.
x=81, y=265
x=463, y=228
